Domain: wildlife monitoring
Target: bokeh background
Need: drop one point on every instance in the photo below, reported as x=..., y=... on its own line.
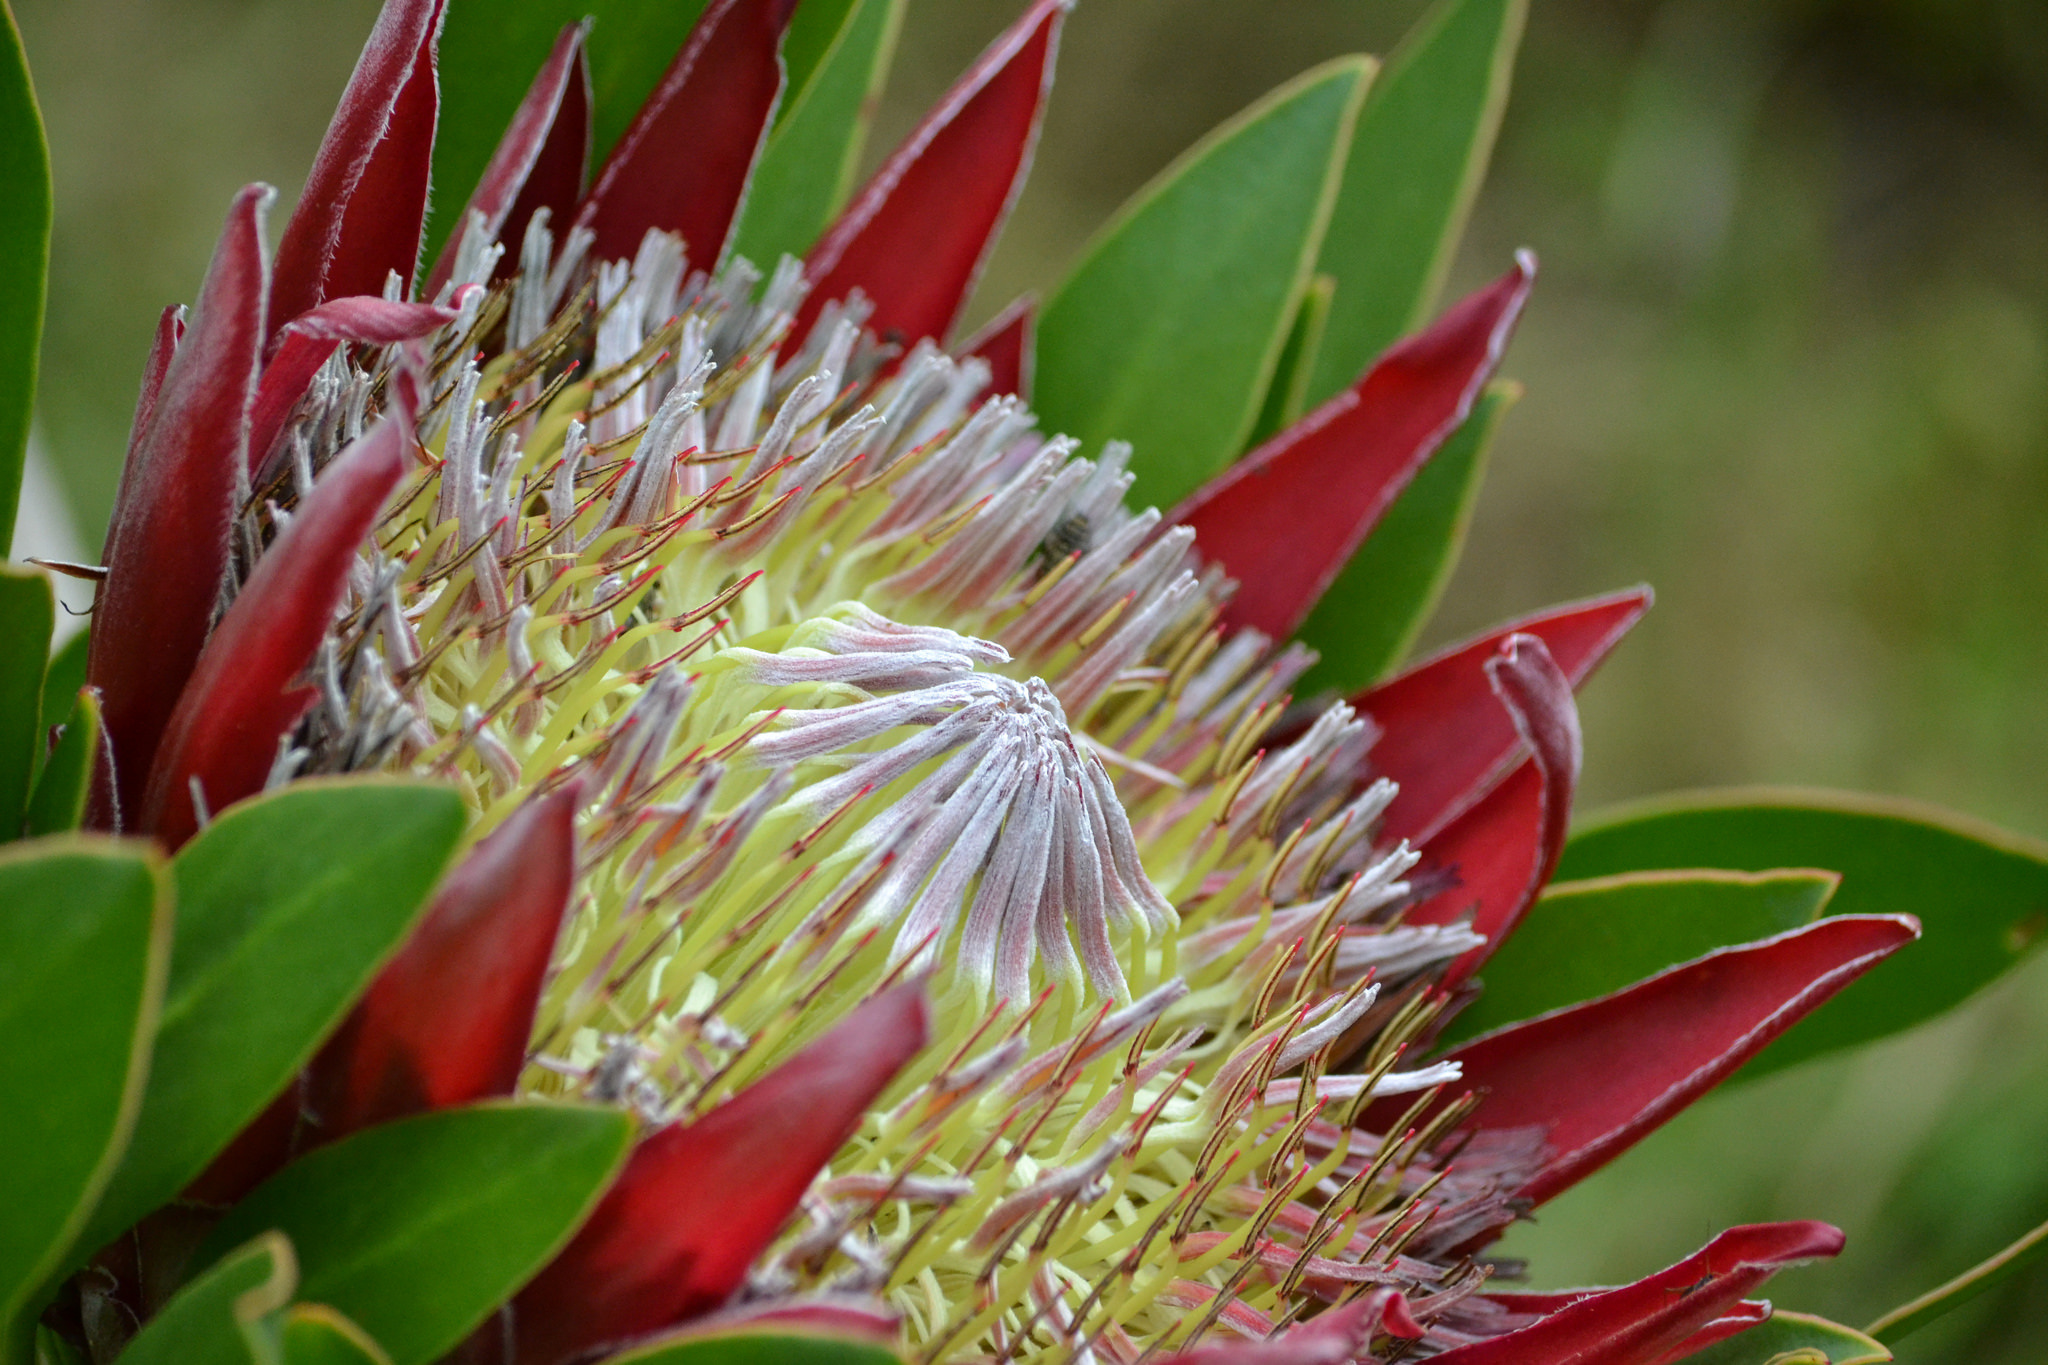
x=1788, y=361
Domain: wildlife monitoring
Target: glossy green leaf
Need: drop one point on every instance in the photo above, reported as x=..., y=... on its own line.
x=58, y=803
x=28, y=612
x=1908, y=1318
x=1416, y=162
x=1590, y=938
x=807, y=170
x=211, y=1320
x=65, y=674
x=418, y=1229
x=1981, y=893
x=24, y=260
x=1169, y=331
x=758, y=1346
x=85, y=939
x=490, y=50
x=51, y=1349
x=1367, y=621
x=1784, y=1333
x=1287, y=395
x=287, y=905
x=315, y=1334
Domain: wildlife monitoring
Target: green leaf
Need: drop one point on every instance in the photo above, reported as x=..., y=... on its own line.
x=1287, y=395
x=418, y=1229
x=213, y=1319
x=59, y=801
x=1169, y=331
x=287, y=905
x=1981, y=893
x=1586, y=939
x=65, y=674
x=24, y=260
x=28, y=613
x=1785, y=1333
x=315, y=1334
x=52, y=1349
x=807, y=169
x=490, y=51
x=1415, y=166
x=758, y=1346
x=1908, y=1318
x=1368, y=620
x=85, y=939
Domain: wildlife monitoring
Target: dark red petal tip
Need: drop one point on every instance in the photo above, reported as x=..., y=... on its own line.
x=914, y=238
x=1648, y=1322
x=365, y=202
x=695, y=1204
x=1284, y=520
x=306, y=342
x=448, y=1020
x=1008, y=344
x=167, y=544
x=1503, y=849
x=683, y=164
x=1444, y=737
x=244, y=693
x=539, y=162
x=1599, y=1076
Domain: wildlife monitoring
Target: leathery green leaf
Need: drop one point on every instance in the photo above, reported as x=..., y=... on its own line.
x=807, y=169
x=758, y=1346
x=24, y=260
x=418, y=1229
x=1587, y=939
x=59, y=800
x=490, y=50
x=85, y=941
x=1368, y=620
x=65, y=674
x=1981, y=893
x=1803, y=1336
x=28, y=613
x=1168, y=332
x=315, y=1334
x=287, y=905
x=226, y=1316
x=1416, y=163
x=1908, y=1318
x=1287, y=395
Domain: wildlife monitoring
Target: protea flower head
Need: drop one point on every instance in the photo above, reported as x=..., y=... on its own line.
x=926, y=844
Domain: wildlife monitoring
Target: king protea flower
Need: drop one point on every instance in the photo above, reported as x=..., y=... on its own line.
x=925, y=844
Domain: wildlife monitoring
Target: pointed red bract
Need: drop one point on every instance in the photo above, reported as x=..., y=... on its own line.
x=1740, y=1317
x=447, y=1021
x=167, y=543
x=307, y=341
x=683, y=164
x=1444, y=737
x=696, y=1203
x=1504, y=849
x=1646, y=1322
x=1008, y=344
x=914, y=238
x=1285, y=519
x=365, y=201
x=539, y=162
x=1600, y=1076
x=170, y=330
x=245, y=692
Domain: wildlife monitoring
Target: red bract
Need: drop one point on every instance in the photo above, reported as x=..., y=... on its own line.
x=167, y=544
x=683, y=164
x=914, y=239
x=306, y=343
x=1284, y=520
x=360, y=216
x=1445, y=739
x=447, y=1021
x=1007, y=343
x=245, y=693
x=1504, y=849
x=539, y=162
x=1656, y=1319
x=697, y=1202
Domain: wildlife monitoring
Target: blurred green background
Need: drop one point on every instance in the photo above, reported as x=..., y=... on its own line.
x=1788, y=361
